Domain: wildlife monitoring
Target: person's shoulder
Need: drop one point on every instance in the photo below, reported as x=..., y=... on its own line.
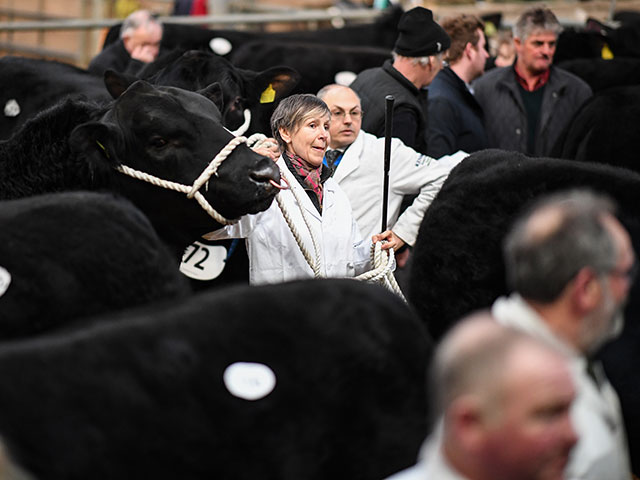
x=493, y=75
x=364, y=74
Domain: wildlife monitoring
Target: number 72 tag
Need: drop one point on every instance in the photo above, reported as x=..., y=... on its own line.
x=203, y=262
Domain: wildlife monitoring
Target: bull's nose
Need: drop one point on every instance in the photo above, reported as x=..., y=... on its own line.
x=264, y=171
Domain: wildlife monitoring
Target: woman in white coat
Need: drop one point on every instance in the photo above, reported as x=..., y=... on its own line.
x=300, y=124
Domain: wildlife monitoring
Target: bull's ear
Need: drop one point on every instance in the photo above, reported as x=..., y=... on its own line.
x=117, y=83
x=96, y=144
x=214, y=93
x=273, y=84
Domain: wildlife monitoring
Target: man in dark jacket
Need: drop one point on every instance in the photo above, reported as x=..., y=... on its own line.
x=417, y=58
x=139, y=43
x=455, y=117
x=527, y=106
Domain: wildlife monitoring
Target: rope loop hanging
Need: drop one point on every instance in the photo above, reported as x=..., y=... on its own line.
x=382, y=261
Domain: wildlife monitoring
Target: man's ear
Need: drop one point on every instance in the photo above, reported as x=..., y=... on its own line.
x=465, y=417
x=517, y=43
x=586, y=290
x=467, y=49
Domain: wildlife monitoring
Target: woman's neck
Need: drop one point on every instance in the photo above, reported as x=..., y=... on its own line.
x=301, y=160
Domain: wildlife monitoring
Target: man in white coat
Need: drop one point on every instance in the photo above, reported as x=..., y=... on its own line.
x=570, y=264
x=358, y=164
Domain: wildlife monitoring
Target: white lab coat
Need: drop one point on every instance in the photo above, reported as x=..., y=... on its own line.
x=601, y=451
x=274, y=255
x=360, y=174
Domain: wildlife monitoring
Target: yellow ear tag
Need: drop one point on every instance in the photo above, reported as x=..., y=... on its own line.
x=103, y=149
x=268, y=96
x=607, y=54
x=490, y=29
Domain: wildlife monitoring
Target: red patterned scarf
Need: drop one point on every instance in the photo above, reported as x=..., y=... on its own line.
x=310, y=176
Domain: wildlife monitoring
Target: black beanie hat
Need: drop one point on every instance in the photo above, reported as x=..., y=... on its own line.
x=419, y=35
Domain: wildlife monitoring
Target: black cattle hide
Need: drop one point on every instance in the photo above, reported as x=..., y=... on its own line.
x=28, y=86
x=147, y=397
x=457, y=261
x=242, y=88
x=73, y=255
x=601, y=74
x=167, y=132
x=44, y=83
x=624, y=40
x=316, y=63
x=627, y=17
x=589, y=41
x=605, y=129
x=380, y=33
x=579, y=43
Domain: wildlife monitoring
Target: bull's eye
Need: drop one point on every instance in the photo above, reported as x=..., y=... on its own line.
x=158, y=142
x=238, y=103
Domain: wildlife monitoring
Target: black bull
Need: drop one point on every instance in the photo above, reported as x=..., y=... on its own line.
x=145, y=394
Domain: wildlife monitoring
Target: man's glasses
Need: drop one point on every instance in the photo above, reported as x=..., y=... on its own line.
x=629, y=274
x=341, y=114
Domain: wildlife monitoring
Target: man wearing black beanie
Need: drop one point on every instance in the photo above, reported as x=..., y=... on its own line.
x=417, y=58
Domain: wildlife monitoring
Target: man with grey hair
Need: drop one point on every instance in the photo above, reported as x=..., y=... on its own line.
x=417, y=58
x=139, y=44
x=528, y=105
x=570, y=264
x=502, y=399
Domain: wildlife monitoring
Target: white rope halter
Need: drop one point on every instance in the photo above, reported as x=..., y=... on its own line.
x=192, y=190
x=381, y=260
x=242, y=129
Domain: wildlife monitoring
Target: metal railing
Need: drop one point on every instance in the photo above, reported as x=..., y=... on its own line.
x=91, y=42
x=231, y=19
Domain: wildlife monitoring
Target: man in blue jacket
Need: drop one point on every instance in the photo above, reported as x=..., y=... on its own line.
x=455, y=117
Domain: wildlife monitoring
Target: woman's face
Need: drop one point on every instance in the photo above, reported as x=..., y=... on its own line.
x=309, y=140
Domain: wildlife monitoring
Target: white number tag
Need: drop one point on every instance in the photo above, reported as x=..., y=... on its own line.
x=248, y=380
x=5, y=280
x=203, y=262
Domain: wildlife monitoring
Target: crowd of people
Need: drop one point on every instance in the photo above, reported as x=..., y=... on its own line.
x=518, y=393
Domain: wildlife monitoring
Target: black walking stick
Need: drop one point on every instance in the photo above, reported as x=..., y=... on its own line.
x=388, y=124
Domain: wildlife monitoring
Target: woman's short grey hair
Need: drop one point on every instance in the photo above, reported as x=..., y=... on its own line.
x=540, y=264
x=536, y=19
x=292, y=111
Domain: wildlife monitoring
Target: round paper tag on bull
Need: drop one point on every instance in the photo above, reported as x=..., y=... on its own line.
x=344, y=77
x=11, y=108
x=250, y=381
x=5, y=280
x=220, y=46
x=203, y=262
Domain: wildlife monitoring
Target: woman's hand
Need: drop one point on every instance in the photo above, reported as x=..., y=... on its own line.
x=269, y=148
x=392, y=240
